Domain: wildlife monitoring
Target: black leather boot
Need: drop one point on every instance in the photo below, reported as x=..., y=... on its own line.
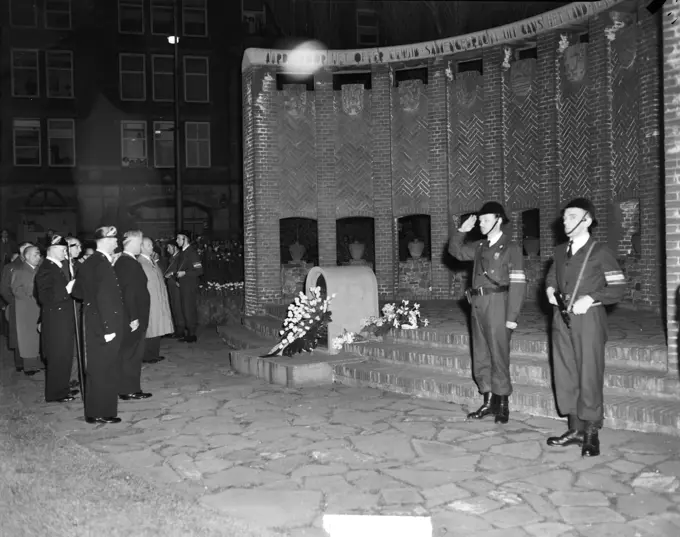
x=503, y=409
x=570, y=438
x=488, y=408
x=591, y=441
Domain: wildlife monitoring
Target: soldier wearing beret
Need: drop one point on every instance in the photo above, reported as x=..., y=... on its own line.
x=52, y=287
x=578, y=349
x=496, y=298
x=97, y=287
x=189, y=269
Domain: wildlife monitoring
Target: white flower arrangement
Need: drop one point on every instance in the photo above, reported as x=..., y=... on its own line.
x=506, y=60
x=346, y=337
x=563, y=44
x=306, y=317
x=217, y=287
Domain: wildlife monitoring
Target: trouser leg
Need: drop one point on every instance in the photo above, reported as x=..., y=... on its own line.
x=565, y=367
x=590, y=337
x=152, y=348
x=481, y=358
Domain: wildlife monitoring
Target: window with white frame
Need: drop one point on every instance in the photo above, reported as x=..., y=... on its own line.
x=59, y=70
x=164, y=144
x=131, y=16
x=61, y=140
x=58, y=14
x=132, y=77
x=27, y=144
x=162, y=17
x=25, y=75
x=367, y=28
x=197, y=140
x=196, y=79
x=195, y=18
x=163, y=68
x=23, y=14
x=253, y=16
x=133, y=144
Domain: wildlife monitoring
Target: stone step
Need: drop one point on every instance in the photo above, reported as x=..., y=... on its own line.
x=264, y=325
x=524, y=369
x=241, y=337
x=617, y=352
x=621, y=411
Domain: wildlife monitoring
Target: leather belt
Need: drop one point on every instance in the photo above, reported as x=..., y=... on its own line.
x=482, y=291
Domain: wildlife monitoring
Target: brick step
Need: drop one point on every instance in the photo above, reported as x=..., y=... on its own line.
x=524, y=369
x=617, y=352
x=646, y=414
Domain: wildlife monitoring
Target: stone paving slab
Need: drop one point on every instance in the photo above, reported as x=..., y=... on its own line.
x=283, y=457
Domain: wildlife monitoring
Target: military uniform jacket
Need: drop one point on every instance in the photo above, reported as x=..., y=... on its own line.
x=134, y=286
x=189, y=262
x=50, y=287
x=503, y=263
x=97, y=287
x=602, y=278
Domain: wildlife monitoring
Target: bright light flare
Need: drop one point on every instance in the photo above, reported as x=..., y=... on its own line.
x=305, y=59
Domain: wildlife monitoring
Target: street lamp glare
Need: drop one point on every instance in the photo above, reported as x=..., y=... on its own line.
x=172, y=39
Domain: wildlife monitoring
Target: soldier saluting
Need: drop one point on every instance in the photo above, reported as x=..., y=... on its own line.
x=588, y=277
x=496, y=297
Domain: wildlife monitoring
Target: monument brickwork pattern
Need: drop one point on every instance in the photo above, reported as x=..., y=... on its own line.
x=625, y=115
x=410, y=145
x=467, y=138
x=520, y=136
x=354, y=180
x=574, y=126
x=296, y=131
x=249, y=188
x=574, y=130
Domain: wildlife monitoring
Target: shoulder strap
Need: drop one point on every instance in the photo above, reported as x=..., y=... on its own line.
x=580, y=275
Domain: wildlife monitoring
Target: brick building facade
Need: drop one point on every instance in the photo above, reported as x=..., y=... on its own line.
x=532, y=114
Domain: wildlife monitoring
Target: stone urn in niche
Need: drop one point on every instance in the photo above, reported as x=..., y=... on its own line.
x=297, y=251
x=356, y=250
x=415, y=248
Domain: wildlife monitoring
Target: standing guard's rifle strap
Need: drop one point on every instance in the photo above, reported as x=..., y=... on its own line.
x=580, y=275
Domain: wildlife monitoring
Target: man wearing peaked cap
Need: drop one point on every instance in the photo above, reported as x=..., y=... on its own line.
x=496, y=298
x=97, y=287
x=189, y=269
x=52, y=287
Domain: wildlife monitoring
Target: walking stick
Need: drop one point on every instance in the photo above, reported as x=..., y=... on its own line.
x=80, y=352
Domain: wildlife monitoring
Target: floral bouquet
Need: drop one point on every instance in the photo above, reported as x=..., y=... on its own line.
x=305, y=324
x=404, y=317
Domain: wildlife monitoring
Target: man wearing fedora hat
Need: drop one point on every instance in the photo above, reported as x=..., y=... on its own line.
x=52, y=287
x=496, y=298
x=588, y=277
x=97, y=287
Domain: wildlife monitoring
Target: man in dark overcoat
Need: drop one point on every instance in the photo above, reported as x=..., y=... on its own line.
x=189, y=270
x=97, y=287
x=52, y=286
x=136, y=304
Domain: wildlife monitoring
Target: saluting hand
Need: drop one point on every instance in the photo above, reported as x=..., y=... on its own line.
x=469, y=223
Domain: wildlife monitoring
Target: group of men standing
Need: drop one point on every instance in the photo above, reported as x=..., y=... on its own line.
x=111, y=311
x=583, y=278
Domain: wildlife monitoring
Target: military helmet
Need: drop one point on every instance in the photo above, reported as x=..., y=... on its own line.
x=584, y=204
x=493, y=207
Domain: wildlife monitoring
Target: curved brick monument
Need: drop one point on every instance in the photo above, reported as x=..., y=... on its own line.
x=531, y=114
x=356, y=297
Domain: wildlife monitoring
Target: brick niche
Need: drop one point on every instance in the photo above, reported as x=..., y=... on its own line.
x=429, y=129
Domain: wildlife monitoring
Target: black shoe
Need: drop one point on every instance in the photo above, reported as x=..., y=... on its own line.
x=73, y=384
x=570, y=438
x=487, y=409
x=134, y=396
x=31, y=373
x=502, y=410
x=155, y=360
x=178, y=335
x=103, y=420
x=20, y=369
x=73, y=393
x=190, y=339
x=66, y=399
x=591, y=442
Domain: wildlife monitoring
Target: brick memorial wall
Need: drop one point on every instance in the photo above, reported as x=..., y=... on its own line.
x=415, y=134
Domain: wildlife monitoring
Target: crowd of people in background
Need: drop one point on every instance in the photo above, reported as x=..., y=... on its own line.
x=89, y=315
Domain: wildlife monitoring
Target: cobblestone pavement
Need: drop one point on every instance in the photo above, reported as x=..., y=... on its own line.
x=281, y=458
x=637, y=327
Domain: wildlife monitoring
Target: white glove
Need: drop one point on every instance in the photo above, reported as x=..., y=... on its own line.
x=582, y=305
x=550, y=292
x=109, y=337
x=69, y=286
